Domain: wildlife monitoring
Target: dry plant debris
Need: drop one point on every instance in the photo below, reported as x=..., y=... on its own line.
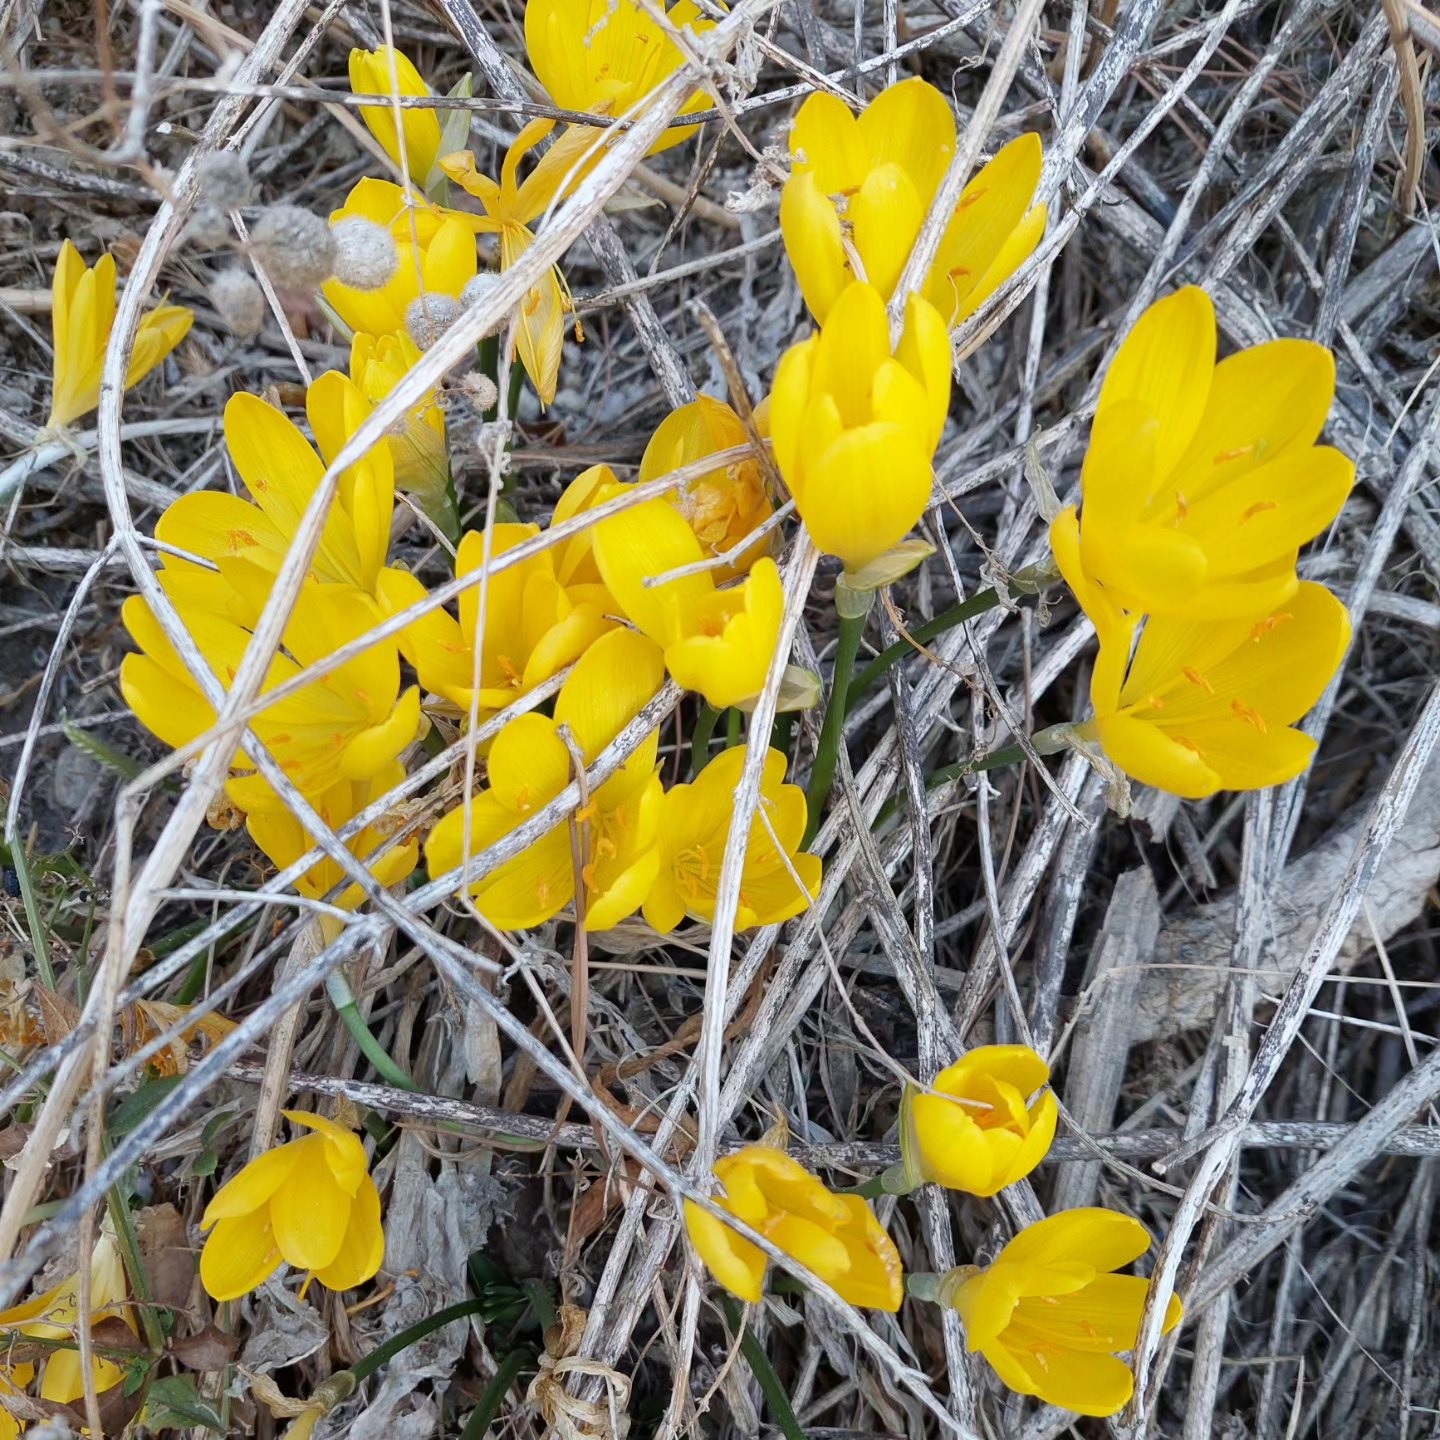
x=719, y=720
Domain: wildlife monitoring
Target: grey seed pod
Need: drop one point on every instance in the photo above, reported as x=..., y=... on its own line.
x=477, y=292
x=209, y=227
x=429, y=317
x=294, y=246
x=239, y=301
x=365, y=254
x=225, y=181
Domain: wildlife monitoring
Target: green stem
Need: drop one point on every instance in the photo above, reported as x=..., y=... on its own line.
x=871, y=1189
x=700, y=738
x=461, y=1310
x=782, y=736
x=732, y=729
x=493, y=1395
x=38, y=930
x=343, y=998
x=832, y=729
x=872, y=670
x=764, y=1373
x=488, y=360
x=517, y=382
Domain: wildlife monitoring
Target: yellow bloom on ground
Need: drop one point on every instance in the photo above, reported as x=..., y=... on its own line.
x=310, y=1203
x=835, y=1236
x=694, y=827
x=82, y=312
x=1049, y=1315
x=281, y=471
x=349, y=724
x=1203, y=480
x=435, y=249
x=725, y=505
x=854, y=426
x=282, y=838
x=530, y=764
x=989, y=1133
x=418, y=452
x=717, y=642
x=386, y=72
x=510, y=209
x=1207, y=705
x=861, y=186
x=534, y=626
x=606, y=56
x=55, y=1316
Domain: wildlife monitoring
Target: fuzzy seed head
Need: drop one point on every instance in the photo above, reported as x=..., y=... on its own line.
x=294, y=246
x=429, y=317
x=239, y=301
x=365, y=254
x=209, y=227
x=225, y=181
x=478, y=291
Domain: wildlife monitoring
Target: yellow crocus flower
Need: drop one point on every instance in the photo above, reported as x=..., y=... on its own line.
x=275, y=830
x=378, y=363
x=1207, y=705
x=854, y=425
x=387, y=71
x=54, y=1316
x=510, y=209
x=725, y=505
x=776, y=883
x=975, y=1128
x=534, y=625
x=530, y=764
x=837, y=1237
x=310, y=1203
x=1203, y=480
x=860, y=188
x=1051, y=1317
x=606, y=56
x=281, y=471
x=349, y=724
x=717, y=642
x=82, y=312
x=435, y=249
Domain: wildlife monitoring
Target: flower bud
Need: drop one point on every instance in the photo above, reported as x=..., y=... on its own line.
x=225, y=181
x=209, y=227
x=365, y=254
x=429, y=317
x=239, y=301
x=294, y=246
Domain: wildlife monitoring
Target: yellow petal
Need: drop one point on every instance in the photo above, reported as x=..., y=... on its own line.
x=991, y=209
x=310, y=1213
x=1102, y=1239
x=344, y=1153
x=811, y=230
x=240, y=1255
x=1017, y=248
x=735, y=1262
x=885, y=215
x=387, y=71
x=854, y=343
x=1086, y=1384
x=826, y=142
x=1149, y=755
x=363, y=1248
x=868, y=491
x=1166, y=363
x=251, y=1189
x=647, y=541
x=610, y=684
x=533, y=887
x=911, y=125
x=529, y=764
x=1264, y=403
x=924, y=351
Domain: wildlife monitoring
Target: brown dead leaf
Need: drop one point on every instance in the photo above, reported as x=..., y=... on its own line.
x=166, y=1254
x=211, y=1349
x=58, y=1017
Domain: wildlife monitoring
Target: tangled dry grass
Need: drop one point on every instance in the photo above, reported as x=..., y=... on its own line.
x=1233, y=993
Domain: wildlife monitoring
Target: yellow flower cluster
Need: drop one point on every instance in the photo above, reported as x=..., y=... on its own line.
x=1048, y=1313
x=1201, y=483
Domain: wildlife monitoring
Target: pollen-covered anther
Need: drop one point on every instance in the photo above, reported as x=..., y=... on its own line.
x=1249, y=715
x=1195, y=677
x=1182, y=508
x=1259, y=508
x=1263, y=627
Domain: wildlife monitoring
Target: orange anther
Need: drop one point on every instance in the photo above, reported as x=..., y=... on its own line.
x=1258, y=508
x=1249, y=715
x=1196, y=678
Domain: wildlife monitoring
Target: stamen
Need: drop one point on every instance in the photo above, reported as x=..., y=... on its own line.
x=1196, y=678
x=1263, y=627
x=1258, y=508
x=1249, y=715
